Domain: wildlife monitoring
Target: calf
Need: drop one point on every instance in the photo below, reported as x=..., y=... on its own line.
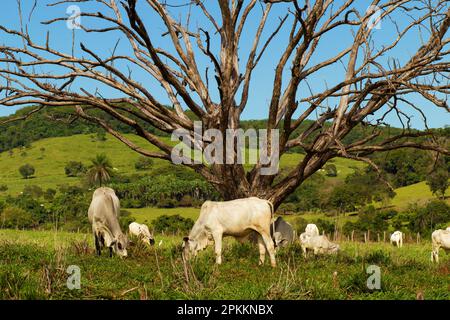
x=142, y=232
x=318, y=244
x=397, y=239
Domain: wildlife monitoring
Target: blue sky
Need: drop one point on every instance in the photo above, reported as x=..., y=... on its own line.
x=261, y=88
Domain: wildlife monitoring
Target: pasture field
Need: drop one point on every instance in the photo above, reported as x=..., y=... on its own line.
x=33, y=266
x=147, y=215
x=50, y=156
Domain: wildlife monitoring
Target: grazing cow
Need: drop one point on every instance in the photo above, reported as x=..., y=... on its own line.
x=448, y=229
x=318, y=244
x=238, y=218
x=397, y=239
x=312, y=230
x=142, y=232
x=283, y=234
x=104, y=217
x=440, y=239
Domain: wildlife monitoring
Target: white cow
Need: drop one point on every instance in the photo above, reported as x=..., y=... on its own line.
x=142, y=232
x=440, y=239
x=312, y=230
x=318, y=244
x=103, y=215
x=397, y=239
x=448, y=229
x=237, y=218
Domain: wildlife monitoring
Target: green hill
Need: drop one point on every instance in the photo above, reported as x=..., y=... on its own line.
x=415, y=193
x=49, y=157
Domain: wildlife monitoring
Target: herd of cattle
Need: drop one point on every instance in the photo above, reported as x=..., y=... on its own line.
x=249, y=219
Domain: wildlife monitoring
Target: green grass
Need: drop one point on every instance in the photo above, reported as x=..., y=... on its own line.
x=416, y=193
x=147, y=215
x=33, y=266
x=50, y=163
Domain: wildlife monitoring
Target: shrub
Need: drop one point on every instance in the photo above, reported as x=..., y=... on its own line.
x=438, y=181
x=3, y=187
x=288, y=208
x=331, y=170
x=49, y=194
x=172, y=224
x=125, y=220
x=427, y=218
x=13, y=217
x=75, y=169
x=186, y=201
x=299, y=224
x=27, y=171
x=29, y=205
x=33, y=191
x=325, y=226
x=143, y=163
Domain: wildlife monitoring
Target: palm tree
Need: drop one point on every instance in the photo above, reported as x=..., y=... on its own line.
x=100, y=171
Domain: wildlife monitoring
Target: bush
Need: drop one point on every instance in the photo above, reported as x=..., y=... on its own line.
x=29, y=205
x=13, y=217
x=49, y=194
x=299, y=225
x=3, y=187
x=33, y=191
x=125, y=220
x=143, y=163
x=172, y=224
x=186, y=201
x=331, y=170
x=75, y=169
x=27, y=171
x=164, y=191
x=325, y=226
x=288, y=208
x=438, y=181
x=427, y=218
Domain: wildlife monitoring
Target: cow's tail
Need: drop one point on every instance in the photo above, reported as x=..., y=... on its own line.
x=272, y=213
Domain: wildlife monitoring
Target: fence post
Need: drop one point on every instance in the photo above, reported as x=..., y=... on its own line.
x=353, y=233
x=418, y=238
x=384, y=236
x=365, y=237
x=368, y=235
x=378, y=237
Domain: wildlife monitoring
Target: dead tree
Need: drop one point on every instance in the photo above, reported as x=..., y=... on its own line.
x=374, y=81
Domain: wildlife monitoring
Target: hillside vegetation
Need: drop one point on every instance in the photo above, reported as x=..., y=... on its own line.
x=50, y=156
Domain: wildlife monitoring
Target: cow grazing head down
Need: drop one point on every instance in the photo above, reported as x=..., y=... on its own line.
x=120, y=244
x=148, y=240
x=334, y=248
x=192, y=246
x=279, y=240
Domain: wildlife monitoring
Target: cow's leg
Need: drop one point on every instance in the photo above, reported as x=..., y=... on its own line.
x=435, y=253
x=218, y=247
x=110, y=252
x=269, y=246
x=262, y=250
x=304, y=251
x=98, y=248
